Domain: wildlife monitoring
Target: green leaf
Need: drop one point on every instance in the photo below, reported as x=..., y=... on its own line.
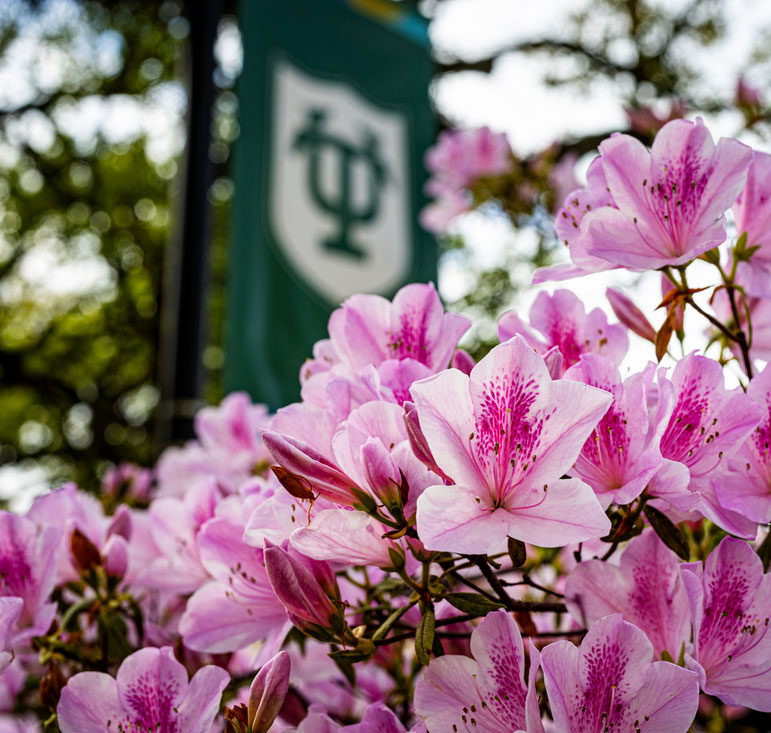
x=670, y=535
x=517, y=552
x=472, y=603
x=364, y=501
x=424, y=636
x=397, y=558
x=346, y=667
x=350, y=656
x=387, y=625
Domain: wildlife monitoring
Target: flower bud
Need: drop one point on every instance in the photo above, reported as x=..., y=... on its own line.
x=115, y=556
x=630, y=315
x=51, y=684
x=295, y=586
x=267, y=693
x=462, y=361
x=555, y=362
x=418, y=441
x=85, y=555
x=121, y=522
x=381, y=472
x=321, y=571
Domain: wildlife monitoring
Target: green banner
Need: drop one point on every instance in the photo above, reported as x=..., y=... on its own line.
x=334, y=121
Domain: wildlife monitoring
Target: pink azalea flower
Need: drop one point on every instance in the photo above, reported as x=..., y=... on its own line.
x=506, y=435
x=487, y=694
x=377, y=718
x=228, y=448
x=671, y=199
x=11, y=608
x=562, y=322
x=752, y=211
x=129, y=480
x=150, y=692
x=744, y=485
x=370, y=452
x=368, y=329
x=174, y=524
x=645, y=587
x=238, y=607
x=345, y=536
x=730, y=600
x=27, y=572
x=567, y=225
x=620, y=456
x=372, y=447
x=68, y=509
x=611, y=683
x=448, y=205
x=459, y=158
x=705, y=425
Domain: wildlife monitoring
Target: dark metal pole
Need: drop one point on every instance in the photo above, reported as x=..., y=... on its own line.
x=183, y=334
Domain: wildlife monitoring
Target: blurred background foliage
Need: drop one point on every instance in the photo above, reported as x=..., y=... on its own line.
x=92, y=127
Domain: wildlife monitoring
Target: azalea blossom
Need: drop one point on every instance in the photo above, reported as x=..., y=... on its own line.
x=752, y=212
x=486, y=694
x=563, y=323
x=10, y=610
x=730, y=600
x=567, y=225
x=27, y=572
x=744, y=484
x=622, y=454
x=645, y=587
x=670, y=200
x=661, y=207
x=705, y=425
x=150, y=692
x=369, y=330
x=459, y=158
x=610, y=682
x=228, y=448
x=506, y=434
x=237, y=607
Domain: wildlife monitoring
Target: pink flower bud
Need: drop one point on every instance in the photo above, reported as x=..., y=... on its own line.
x=418, y=441
x=381, y=472
x=630, y=315
x=321, y=571
x=555, y=362
x=121, y=523
x=115, y=555
x=298, y=590
x=462, y=361
x=267, y=693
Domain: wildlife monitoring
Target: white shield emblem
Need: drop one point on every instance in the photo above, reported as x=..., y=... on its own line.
x=339, y=179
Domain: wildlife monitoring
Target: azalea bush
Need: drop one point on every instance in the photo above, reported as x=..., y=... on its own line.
x=543, y=540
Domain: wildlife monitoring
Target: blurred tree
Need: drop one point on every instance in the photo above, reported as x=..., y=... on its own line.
x=91, y=131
